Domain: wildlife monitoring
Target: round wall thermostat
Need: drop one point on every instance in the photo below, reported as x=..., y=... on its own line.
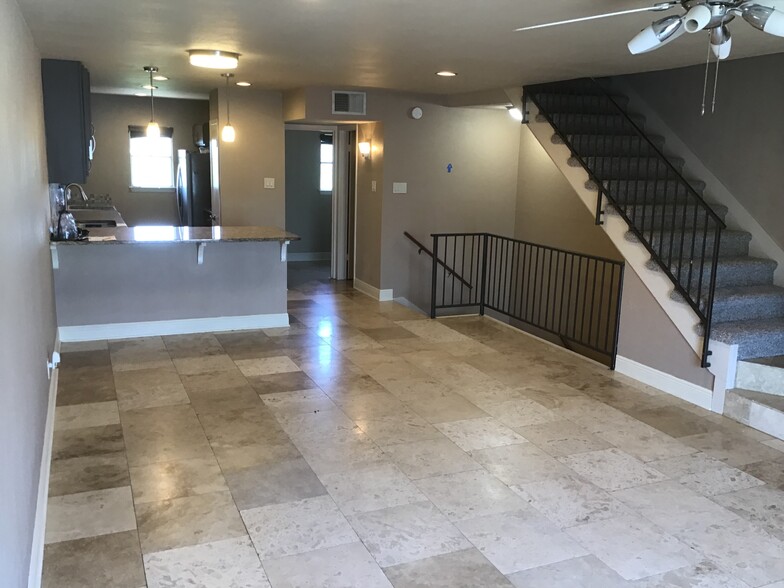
x=416, y=113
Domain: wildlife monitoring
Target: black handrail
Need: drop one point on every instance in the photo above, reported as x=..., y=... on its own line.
x=630, y=171
x=449, y=270
x=574, y=296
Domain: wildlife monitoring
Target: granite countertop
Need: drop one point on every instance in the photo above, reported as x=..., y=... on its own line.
x=169, y=234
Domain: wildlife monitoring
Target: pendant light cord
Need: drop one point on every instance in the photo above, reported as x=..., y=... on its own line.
x=705, y=82
x=228, y=101
x=152, y=99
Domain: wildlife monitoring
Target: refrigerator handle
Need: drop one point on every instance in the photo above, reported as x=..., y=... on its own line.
x=178, y=184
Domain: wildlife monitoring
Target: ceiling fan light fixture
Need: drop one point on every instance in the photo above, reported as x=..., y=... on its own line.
x=656, y=35
x=697, y=18
x=768, y=20
x=214, y=59
x=721, y=42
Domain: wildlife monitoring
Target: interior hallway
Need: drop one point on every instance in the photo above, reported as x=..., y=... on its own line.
x=369, y=446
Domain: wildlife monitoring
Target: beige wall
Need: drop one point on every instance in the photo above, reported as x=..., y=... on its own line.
x=111, y=171
x=27, y=318
x=743, y=141
x=550, y=212
x=257, y=153
x=369, y=205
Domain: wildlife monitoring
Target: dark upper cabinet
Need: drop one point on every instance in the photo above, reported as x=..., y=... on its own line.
x=69, y=132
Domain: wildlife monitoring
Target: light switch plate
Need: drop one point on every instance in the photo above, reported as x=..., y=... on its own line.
x=400, y=188
x=269, y=183
x=373, y=186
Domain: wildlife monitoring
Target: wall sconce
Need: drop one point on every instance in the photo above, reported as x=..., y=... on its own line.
x=364, y=149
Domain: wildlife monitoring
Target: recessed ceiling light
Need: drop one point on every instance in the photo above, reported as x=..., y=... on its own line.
x=142, y=94
x=446, y=74
x=160, y=78
x=149, y=87
x=243, y=84
x=214, y=59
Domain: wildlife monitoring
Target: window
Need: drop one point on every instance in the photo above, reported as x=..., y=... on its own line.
x=152, y=160
x=327, y=162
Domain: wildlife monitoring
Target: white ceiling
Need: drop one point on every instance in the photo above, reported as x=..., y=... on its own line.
x=396, y=44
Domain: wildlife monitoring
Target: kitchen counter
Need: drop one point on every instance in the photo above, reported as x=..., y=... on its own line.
x=168, y=234
x=170, y=280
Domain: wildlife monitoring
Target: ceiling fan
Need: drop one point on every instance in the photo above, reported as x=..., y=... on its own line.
x=712, y=16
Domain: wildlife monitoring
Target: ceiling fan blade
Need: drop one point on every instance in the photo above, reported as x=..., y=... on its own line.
x=658, y=7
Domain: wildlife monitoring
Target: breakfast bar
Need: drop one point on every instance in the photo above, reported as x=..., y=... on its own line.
x=161, y=280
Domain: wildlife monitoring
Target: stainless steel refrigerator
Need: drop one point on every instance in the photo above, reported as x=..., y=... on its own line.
x=194, y=195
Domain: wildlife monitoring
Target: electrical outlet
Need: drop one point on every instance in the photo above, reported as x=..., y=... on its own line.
x=269, y=183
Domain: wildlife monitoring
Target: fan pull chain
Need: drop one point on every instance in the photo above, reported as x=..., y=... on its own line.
x=705, y=83
x=715, y=84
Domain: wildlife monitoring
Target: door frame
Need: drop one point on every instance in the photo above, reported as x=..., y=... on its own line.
x=340, y=192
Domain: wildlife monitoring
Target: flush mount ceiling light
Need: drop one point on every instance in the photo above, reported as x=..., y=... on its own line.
x=243, y=84
x=446, y=74
x=160, y=78
x=153, y=130
x=149, y=87
x=214, y=59
x=228, y=134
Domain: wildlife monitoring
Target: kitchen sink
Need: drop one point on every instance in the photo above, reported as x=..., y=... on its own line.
x=96, y=224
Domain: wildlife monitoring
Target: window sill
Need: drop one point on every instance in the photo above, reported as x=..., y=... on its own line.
x=138, y=189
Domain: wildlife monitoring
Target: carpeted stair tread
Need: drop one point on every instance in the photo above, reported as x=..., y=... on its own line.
x=608, y=124
x=731, y=244
x=612, y=145
x=584, y=103
x=609, y=168
x=740, y=271
x=648, y=217
x=740, y=303
x=755, y=338
x=661, y=191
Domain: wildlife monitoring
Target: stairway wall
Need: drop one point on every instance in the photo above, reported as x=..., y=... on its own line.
x=743, y=141
x=550, y=212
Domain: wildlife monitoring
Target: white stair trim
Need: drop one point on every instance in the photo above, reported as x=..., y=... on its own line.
x=71, y=334
x=636, y=256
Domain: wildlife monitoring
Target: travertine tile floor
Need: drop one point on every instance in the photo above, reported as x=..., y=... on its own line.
x=369, y=446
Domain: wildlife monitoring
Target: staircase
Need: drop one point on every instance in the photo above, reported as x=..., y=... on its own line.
x=708, y=264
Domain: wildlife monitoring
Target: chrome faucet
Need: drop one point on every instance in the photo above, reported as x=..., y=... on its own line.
x=69, y=189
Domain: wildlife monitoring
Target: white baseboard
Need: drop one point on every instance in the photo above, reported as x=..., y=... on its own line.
x=323, y=256
x=684, y=390
x=372, y=291
x=174, y=327
x=39, y=529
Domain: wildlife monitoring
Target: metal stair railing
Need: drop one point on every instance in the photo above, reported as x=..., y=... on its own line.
x=663, y=210
x=573, y=296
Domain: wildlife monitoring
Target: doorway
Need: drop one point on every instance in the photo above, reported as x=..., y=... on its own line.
x=320, y=192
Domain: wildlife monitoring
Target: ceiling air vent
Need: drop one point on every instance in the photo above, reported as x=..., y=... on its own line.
x=349, y=102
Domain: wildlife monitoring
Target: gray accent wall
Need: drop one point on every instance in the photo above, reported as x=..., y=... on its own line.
x=308, y=210
x=257, y=153
x=27, y=316
x=743, y=142
x=111, y=170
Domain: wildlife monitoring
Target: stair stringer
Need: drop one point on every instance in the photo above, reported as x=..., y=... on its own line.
x=635, y=254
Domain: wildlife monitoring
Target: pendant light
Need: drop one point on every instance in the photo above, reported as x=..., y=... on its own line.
x=153, y=130
x=228, y=134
